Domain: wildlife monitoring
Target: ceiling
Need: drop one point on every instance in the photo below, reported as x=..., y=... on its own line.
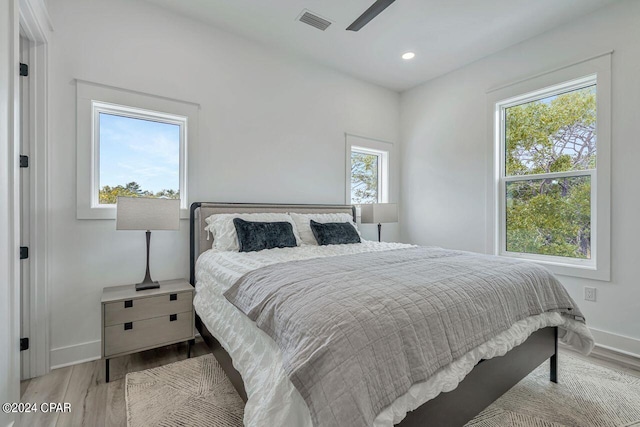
x=444, y=34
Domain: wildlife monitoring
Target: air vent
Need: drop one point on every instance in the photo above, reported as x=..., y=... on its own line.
x=314, y=20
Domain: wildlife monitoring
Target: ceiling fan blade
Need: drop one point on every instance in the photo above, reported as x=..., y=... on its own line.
x=369, y=14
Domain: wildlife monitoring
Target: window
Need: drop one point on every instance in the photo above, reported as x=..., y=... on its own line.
x=552, y=170
x=366, y=175
x=550, y=151
x=138, y=153
x=368, y=170
x=130, y=144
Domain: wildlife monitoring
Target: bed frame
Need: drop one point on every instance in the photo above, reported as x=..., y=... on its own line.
x=488, y=380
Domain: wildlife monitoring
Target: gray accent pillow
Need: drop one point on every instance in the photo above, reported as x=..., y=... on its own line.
x=334, y=233
x=256, y=236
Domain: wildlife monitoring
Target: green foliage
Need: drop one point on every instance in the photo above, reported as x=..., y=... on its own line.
x=556, y=134
x=550, y=217
x=364, y=178
x=109, y=195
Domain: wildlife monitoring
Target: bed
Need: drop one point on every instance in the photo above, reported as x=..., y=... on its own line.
x=477, y=379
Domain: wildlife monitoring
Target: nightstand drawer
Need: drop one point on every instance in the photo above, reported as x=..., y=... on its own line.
x=116, y=313
x=132, y=336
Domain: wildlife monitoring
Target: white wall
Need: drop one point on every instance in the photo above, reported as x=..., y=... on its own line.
x=271, y=130
x=9, y=237
x=445, y=149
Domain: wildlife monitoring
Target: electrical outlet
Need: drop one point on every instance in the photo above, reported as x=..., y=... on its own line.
x=589, y=294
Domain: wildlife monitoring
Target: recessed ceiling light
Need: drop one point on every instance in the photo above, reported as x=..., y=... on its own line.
x=408, y=55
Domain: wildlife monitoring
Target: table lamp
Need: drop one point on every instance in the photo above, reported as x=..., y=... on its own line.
x=142, y=213
x=378, y=213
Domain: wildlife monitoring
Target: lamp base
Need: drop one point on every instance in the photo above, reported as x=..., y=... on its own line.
x=147, y=285
x=147, y=282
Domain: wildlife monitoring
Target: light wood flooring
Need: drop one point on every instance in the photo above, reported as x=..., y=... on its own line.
x=96, y=403
x=628, y=366
x=93, y=401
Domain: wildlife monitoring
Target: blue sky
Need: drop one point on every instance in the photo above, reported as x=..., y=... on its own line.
x=137, y=150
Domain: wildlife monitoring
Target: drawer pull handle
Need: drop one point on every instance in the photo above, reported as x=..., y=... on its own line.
x=128, y=325
x=173, y=297
x=128, y=303
x=173, y=317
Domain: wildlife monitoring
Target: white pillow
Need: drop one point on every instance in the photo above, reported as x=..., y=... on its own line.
x=303, y=224
x=224, y=233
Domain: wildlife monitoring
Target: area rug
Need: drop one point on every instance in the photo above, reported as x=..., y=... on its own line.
x=586, y=395
x=196, y=392
x=192, y=392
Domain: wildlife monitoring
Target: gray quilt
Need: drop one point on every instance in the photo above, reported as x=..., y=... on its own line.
x=357, y=331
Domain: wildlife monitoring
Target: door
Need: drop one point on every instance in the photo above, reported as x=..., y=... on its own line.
x=25, y=212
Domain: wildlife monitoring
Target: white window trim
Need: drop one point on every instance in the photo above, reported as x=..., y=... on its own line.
x=383, y=150
x=595, y=70
x=92, y=99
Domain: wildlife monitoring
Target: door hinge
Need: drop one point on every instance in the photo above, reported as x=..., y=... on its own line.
x=24, y=69
x=24, y=344
x=24, y=161
x=24, y=252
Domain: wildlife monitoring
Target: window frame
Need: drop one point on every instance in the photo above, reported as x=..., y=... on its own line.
x=383, y=171
x=595, y=71
x=93, y=99
x=379, y=148
x=99, y=107
x=504, y=179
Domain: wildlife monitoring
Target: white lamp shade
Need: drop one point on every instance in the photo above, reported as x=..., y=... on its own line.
x=377, y=213
x=143, y=213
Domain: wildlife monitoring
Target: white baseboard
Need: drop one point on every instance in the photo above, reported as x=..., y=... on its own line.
x=614, y=356
x=617, y=343
x=74, y=354
x=609, y=346
x=78, y=353
x=613, y=348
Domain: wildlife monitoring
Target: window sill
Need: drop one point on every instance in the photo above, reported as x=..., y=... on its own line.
x=110, y=213
x=573, y=269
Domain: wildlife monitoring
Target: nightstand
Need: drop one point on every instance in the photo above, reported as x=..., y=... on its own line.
x=134, y=321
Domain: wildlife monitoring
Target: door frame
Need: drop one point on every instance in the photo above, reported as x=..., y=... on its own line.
x=36, y=28
x=24, y=203
x=9, y=212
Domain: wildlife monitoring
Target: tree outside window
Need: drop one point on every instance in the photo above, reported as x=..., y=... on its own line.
x=549, y=162
x=364, y=177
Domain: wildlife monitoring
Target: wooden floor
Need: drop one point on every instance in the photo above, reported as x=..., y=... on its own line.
x=93, y=401
x=628, y=368
x=96, y=403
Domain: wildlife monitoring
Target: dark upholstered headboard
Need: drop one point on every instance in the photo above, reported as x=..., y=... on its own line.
x=201, y=210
